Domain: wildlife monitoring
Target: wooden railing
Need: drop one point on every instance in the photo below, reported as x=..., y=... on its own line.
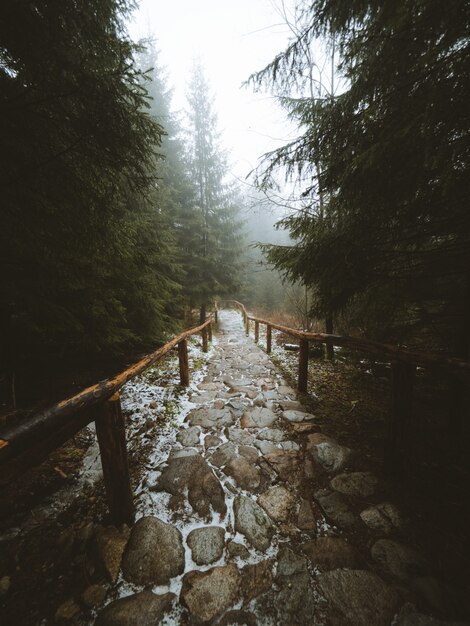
x=29, y=442
x=403, y=363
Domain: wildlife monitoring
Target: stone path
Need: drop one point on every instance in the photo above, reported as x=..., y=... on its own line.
x=256, y=517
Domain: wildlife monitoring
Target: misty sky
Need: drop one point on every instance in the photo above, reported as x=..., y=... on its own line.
x=232, y=39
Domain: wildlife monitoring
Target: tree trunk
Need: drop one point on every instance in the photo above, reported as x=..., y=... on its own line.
x=202, y=313
x=330, y=352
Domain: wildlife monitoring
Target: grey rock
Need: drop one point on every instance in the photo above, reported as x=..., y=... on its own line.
x=358, y=484
x=272, y=434
x=140, y=609
x=286, y=464
x=397, y=559
x=237, y=550
x=258, y=417
x=193, y=474
x=250, y=453
x=210, y=418
x=252, y=521
x=212, y=441
x=329, y=553
x=384, y=517
x=207, y=544
x=223, y=454
x=109, y=546
x=257, y=578
x=306, y=518
x=297, y=416
x=239, y=436
x=266, y=447
x=178, y=453
x=289, y=445
x=208, y=594
x=336, y=508
x=154, y=553
x=277, y=502
x=189, y=436
x=292, y=405
x=246, y=474
x=327, y=452
x=358, y=597
x=289, y=563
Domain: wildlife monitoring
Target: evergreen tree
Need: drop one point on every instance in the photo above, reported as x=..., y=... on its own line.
x=211, y=237
x=394, y=149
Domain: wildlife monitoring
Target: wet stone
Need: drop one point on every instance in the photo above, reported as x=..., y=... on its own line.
x=358, y=484
x=327, y=452
x=154, y=553
x=252, y=522
x=358, y=597
x=289, y=563
x=208, y=594
x=306, y=518
x=266, y=447
x=194, y=475
x=256, y=579
x=189, y=436
x=397, y=559
x=258, y=417
x=207, y=544
x=384, y=517
x=235, y=549
x=249, y=453
x=277, y=502
x=336, y=508
x=109, y=545
x=245, y=474
x=274, y=435
x=239, y=436
x=297, y=416
x=329, y=553
x=223, y=454
x=212, y=441
x=292, y=405
x=141, y=609
x=286, y=464
x=210, y=418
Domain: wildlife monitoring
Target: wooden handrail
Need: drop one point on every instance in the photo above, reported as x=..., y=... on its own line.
x=28, y=443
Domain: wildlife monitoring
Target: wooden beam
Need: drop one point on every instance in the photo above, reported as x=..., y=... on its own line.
x=303, y=366
x=111, y=433
x=205, y=345
x=183, y=362
x=209, y=332
x=269, y=332
x=247, y=326
x=256, y=331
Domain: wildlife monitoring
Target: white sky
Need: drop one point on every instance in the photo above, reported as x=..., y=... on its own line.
x=232, y=38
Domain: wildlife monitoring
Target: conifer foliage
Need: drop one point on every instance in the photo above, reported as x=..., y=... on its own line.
x=392, y=248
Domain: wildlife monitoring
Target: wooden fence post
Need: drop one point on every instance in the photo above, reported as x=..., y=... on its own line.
x=209, y=331
x=256, y=331
x=205, y=346
x=183, y=362
x=216, y=316
x=247, y=326
x=303, y=365
x=400, y=417
x=269, y=332
x=111, y=434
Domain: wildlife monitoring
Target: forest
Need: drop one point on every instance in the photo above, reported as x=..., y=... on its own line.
x=124, y=222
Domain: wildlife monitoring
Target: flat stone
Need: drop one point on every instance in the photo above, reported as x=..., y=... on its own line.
x=239, y=436
x=337, y=509
x=94, y=596
x=306, y=518
x=207, y=544
x=154, y=553
x=397, y=559
x=327, y=452
x=209, y=386
x=358, y=597
x=238, y=618
x=286, y=464
x=194, y=475
x=272, y=434
x=237, y=550
x=67, y=612
x=329, y=553
x=208, y=594
x=277, y=502
x=297, y=416
x=212, y=441
x=210, y=418
x=249, y=453
x=303, y=427
x=289, y=563
x=246, y=474
x=252, y=522
x=358, y=484
x=289, y=445
x=285, y=390
x=258, y=417
x=189, y=436
x=178, y=453
x=109, y=544
x=224, y=453
x=257, y=579
x=141, y=609
x=384, y=517
x=266, y=447
x=292, y=405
